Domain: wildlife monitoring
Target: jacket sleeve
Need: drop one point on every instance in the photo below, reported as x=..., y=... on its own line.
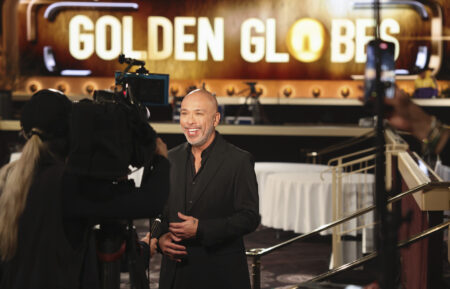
x=245, y=218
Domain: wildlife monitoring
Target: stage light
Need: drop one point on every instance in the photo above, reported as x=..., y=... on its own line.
x=316, y=92
x=63, y=87
x=230, y=90
x=34, y=86
x=345, y=91
x=89, y=88
x=287, y=91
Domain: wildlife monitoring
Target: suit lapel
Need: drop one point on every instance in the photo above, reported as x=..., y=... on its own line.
x=212, y=166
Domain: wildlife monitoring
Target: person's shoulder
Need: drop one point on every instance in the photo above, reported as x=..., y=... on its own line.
x=179, y=149
x=237, y=152
x=51, y=168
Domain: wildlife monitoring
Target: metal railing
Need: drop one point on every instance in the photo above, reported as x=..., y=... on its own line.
x=349, y=166
x=372, y=255
x=357, y=166
x=257, y=253
x=339, y=146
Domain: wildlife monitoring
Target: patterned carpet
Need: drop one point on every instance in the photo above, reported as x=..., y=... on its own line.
x=283, y=268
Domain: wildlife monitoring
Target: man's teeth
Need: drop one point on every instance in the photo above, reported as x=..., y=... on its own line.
x=192, y=131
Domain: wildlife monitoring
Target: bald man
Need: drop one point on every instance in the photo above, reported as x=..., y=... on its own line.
x=213, y=203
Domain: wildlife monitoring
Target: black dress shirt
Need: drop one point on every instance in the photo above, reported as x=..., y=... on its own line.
x=191, y=176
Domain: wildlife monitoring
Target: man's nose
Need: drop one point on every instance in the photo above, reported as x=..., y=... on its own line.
x=191, y=118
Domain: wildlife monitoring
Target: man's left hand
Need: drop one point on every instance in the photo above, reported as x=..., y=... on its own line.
x=186, y=229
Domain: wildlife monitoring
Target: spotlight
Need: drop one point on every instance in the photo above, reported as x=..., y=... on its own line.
x=62, y=87
x=345, y=91
x=89, y=88
x=287, y=91
x=316, y=92
x=230, y=90
x=33, y=87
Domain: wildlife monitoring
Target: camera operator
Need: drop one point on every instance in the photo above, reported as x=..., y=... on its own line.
x=46, y=211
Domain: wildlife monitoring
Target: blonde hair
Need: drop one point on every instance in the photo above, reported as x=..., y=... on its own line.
x=15, y=182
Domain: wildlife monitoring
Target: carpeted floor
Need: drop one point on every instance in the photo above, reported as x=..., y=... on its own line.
x=288, y=266
x=282, y=268
x=292, y=264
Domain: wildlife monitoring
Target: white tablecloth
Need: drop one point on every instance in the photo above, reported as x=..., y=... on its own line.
x=295, y=197
x=263, y=170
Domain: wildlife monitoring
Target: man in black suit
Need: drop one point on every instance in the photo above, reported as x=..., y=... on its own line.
x=213, y=202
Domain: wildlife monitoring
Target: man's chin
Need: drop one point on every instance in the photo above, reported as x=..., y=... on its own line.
x=194, y=142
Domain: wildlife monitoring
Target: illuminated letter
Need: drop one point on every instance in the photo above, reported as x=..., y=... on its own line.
x=127, y=28
x=207, y=38
x=345, y=40
x=306, y=40
x=247, y=41
x=271, y=43
x=362, y=39
x=394, y=28
x=81, y=45
x=101, y=39
x=167, y=38
x=181, y=38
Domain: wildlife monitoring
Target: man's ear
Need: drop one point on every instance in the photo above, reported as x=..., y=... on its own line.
x=216, y=118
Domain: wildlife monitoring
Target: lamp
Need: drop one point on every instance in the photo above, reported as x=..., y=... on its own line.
x=230, y=90
x=316, y=92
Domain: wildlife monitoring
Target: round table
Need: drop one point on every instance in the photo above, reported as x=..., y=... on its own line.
x=298, y=197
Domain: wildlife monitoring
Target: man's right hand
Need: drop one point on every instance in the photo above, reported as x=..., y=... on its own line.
x=170, y=248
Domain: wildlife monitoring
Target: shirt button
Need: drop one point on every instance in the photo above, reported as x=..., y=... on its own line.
x=190, y=202
x=193, y=183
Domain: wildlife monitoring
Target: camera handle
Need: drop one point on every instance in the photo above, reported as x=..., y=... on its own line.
x=131, y=62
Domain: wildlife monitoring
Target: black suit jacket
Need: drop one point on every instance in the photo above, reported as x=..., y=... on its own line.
x=225, y=200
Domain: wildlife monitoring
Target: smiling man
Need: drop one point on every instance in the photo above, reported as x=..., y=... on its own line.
x=213, y=202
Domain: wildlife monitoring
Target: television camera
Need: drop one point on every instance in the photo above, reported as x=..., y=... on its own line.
x=112, y=132
x=108, y=135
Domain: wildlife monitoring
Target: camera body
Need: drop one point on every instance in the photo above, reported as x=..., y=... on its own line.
x=149, y=89
x=111, y=132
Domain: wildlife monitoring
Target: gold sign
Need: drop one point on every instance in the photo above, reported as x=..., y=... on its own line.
x=285, y=39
